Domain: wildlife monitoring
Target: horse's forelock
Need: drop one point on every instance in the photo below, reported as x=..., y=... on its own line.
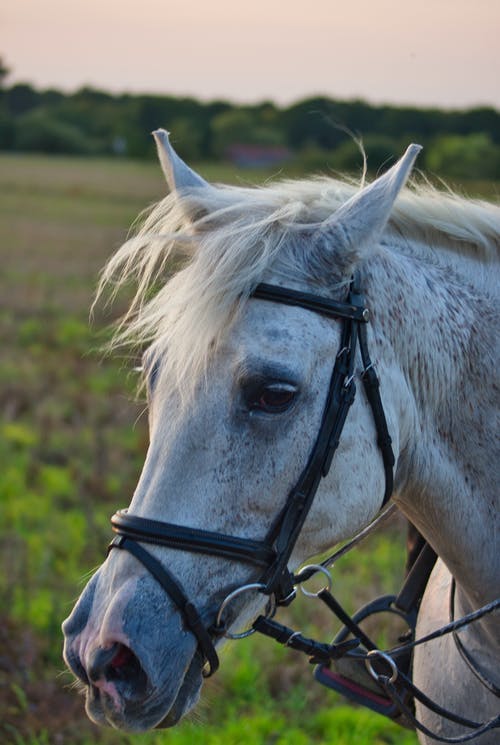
x=198, y=255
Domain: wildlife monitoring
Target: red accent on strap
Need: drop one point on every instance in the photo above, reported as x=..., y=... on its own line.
x=358, y=689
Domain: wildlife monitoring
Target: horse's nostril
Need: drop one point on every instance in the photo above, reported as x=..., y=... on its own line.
x=100, y=661
x=119, y=665
x=122, y=657
x=125, y=666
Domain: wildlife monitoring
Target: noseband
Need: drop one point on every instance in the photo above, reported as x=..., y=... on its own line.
x=273, y=553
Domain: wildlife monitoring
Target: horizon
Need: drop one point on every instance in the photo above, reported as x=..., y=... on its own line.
x=443, y=56
x=69, y=91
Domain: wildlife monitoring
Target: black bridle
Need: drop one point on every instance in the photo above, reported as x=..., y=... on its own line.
x=273, y=553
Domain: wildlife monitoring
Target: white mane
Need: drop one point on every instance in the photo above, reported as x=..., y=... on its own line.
x=198, y=255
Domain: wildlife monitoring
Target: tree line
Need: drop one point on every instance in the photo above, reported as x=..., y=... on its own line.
x=457, y=143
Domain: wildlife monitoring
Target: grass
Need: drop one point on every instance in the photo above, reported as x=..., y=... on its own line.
x=72, y=442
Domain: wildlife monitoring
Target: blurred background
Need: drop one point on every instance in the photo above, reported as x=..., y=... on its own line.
x=249, y=92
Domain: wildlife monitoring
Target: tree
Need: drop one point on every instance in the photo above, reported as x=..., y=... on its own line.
x=470, y=156
x=4, y=72
x=21, y=98
x=37, y=131
x=244, y=126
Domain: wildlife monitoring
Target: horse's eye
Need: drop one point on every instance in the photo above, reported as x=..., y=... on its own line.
x=273, y=398
x=151, y=369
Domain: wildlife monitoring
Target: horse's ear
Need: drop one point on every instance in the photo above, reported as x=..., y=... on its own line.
x=177, y=174
x=361, y=220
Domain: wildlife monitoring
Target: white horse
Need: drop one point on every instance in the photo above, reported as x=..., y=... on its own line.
x=237, y=386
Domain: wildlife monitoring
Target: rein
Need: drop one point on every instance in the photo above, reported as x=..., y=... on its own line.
x=273, y=553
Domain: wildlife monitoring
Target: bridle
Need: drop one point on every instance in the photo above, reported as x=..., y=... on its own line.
x=272, y=554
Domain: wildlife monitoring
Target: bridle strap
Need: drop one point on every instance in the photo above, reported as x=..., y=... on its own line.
x=172, y=587
x=340, y=396
x=372, y=389
x=191, y=539
x=323, y=305
x=479, y=729
x=341, y=393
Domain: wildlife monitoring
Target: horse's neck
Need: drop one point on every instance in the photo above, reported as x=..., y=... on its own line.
x=443, y=335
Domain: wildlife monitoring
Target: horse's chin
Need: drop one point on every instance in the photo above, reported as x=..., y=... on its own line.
x=188, y=695
x=154, y=710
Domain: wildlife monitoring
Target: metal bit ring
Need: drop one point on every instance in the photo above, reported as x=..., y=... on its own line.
x=317, y=568
x=270, y=609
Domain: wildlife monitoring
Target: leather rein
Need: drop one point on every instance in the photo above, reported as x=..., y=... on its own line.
x=273, y=553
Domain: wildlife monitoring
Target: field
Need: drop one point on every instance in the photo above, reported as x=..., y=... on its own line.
x=72, y=440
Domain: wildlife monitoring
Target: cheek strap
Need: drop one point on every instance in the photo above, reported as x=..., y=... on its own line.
x=174, y=590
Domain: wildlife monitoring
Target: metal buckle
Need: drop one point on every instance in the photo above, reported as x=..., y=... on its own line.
x=317, y=568
x=348, y=381
x=291, y=637
x=270, y=609
x=374, y=653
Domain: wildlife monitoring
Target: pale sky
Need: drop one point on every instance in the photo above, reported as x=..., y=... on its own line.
x=425, y=52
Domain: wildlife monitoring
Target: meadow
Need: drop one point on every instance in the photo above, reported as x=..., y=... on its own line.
x=72, y=440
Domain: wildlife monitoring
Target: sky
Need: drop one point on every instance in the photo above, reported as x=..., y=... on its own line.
x=424, y=52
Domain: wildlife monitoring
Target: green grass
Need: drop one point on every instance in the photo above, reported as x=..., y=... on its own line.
x=72, y=443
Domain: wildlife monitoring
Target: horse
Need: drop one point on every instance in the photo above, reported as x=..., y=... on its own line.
x=258, y=309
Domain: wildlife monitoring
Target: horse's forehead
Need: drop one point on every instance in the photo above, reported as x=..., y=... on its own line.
x=271, y=327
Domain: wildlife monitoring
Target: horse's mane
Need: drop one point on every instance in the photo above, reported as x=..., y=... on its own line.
x=198, y=255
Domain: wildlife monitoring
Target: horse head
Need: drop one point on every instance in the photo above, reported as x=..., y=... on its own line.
x=237, y=387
